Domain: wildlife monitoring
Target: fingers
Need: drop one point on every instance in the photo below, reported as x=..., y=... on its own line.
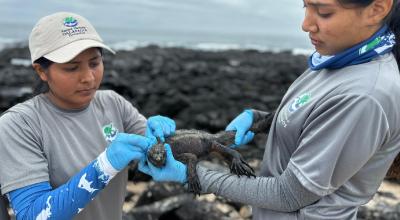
x=135, y=153
x=143, y=167
x=160, y=127
x=239, y=136
x=248, y=137
x=168, y=126
x=148, y=168
x=149, y=132
x=170, y=156
x=172, y=126
x=235, y=123
x=156, y=129
x=243, y=138
x=230, y=127
x=153, y=140
x=135, y=140
x=153, y=168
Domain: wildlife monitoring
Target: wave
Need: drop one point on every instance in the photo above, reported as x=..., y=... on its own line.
x=206, y=46
x=203, y=46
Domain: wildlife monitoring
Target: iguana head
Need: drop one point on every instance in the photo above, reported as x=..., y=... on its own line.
x=157, y=154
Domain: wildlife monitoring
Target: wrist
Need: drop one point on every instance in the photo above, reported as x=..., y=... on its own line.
x=112, y=159
x=104, y=166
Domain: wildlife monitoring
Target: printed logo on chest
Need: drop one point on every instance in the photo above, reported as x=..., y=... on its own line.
x=292, y=107
x=110, y=132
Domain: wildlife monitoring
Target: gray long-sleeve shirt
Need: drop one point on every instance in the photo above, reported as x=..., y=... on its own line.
x=334, y=136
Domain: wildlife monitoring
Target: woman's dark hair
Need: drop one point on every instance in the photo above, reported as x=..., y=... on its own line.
x=41, y=86
x=392, y=20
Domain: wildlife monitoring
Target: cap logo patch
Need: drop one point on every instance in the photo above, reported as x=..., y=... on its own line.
x=72, y=27
x=70, y=22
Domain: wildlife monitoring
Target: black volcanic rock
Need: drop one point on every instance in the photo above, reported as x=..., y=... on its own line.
x=199, y=89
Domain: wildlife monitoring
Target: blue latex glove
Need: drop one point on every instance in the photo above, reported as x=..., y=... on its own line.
x=125, y=148
x=172, y=171
x=241, y=124
x=160, y=126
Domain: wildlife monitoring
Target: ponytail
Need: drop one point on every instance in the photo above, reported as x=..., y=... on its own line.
x=394, y=25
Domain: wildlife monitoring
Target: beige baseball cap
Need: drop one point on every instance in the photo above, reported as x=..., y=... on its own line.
x=62, y=36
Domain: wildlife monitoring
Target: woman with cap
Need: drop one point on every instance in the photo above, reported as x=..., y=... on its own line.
x=336, y=132
x=64, y=151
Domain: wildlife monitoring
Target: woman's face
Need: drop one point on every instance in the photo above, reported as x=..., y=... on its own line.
x=73, y=84
x=333, y=28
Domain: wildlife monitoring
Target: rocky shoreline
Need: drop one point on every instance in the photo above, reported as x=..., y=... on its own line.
x=200, y=90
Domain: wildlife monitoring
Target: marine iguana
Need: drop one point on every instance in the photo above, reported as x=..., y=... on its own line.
x=188, y=146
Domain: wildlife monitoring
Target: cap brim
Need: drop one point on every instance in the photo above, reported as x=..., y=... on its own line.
x=69, y=51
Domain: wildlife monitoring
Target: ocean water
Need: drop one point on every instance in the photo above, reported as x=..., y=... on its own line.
x=199, y=24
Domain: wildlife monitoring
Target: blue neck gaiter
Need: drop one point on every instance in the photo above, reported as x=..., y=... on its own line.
x=380, y=43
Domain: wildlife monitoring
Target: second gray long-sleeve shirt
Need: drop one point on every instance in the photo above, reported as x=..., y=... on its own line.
x=332, y=140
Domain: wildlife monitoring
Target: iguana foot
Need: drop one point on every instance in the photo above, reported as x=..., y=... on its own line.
x=194, y=185
x=241, y=167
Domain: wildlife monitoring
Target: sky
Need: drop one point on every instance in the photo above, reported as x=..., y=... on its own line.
x=122, y=19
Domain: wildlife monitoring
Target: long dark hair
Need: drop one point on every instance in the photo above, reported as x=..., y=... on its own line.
x=392, y=20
